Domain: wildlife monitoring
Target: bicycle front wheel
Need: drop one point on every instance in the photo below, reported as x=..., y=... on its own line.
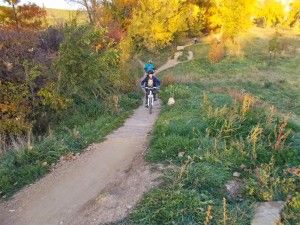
x=150, y=105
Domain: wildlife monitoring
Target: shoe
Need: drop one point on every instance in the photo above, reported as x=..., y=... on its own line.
x=146, y=106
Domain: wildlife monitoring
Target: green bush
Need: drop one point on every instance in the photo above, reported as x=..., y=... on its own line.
x=89, y=65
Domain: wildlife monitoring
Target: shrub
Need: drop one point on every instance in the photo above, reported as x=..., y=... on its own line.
x=88, y=66
x=216, y=52
x=168, y=79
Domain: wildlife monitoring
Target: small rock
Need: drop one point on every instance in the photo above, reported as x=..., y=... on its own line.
x=236, y=174
x=267, y=213
x=234, y=189
x=191, y=55
x=160, y=167
x=44, y=164
x=171, y=101
x=181, y=154
x=11, y=210
x=129, y=206
x=243, y=167
x=9, y=66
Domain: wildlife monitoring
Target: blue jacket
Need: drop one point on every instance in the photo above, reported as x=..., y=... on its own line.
x=149, y=67
x=156, y=82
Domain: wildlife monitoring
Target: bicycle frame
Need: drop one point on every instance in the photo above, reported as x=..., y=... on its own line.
x=150, y=99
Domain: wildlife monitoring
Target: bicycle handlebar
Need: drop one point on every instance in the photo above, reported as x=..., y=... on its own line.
x=151, y=87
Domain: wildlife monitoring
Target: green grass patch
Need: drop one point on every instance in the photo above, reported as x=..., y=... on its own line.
x=206, y=137
x=159, y=57
x=214, y=130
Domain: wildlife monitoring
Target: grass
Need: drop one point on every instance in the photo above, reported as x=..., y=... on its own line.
x=228, y=117
x=80, y=126
x=206, y=137
x=60, y=16
x=158, y=58
x=275, y=81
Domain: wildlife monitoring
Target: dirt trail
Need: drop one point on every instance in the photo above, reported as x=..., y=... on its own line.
x=98, y=187
x=101, y=186
x=173, y=60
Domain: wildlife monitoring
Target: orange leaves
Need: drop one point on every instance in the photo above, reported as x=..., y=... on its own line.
x=6, y=107
x=217, y=52
x=24, y=16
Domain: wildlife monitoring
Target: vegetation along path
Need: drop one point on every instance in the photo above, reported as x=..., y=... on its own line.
x=75, y=193
x=102, y=185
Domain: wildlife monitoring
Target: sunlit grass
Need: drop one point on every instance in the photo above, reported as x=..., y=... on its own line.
x=60, y=16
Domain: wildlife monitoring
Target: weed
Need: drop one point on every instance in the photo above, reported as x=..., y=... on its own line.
x=208, y=215
x=254, y=136
x=217, y=52
x=224, y=211
x=281, y=135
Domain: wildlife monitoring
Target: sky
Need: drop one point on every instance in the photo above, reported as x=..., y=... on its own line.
x=62, y=4
x=56, y=4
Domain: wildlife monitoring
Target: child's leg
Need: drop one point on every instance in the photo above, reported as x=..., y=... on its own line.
x=146, y=97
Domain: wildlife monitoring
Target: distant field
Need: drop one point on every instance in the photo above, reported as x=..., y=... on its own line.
x=59, y=16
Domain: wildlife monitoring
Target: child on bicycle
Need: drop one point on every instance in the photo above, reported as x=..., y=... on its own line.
x=150, y=82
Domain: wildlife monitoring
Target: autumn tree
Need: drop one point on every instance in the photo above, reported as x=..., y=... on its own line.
x=271, y=13
x=207, y=9
x=233, y=17
x=91, y=7
x=155, y=23
x=195, y=19
x=24, y=16
x=119, y=11
x=294, y=14
x=31, y=16
x=12, y=14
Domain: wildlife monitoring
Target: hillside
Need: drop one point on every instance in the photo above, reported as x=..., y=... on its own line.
x=57, y=16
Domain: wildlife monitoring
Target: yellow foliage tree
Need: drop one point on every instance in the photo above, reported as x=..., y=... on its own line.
x=232, y=16
x=294, y=14
x=156, y=22
x=271, y=12
x=195, y=18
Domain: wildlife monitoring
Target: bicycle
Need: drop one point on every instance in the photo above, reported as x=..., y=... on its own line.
x=150, y=98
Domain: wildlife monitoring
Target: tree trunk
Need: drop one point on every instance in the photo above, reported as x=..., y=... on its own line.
x=89, y=11
x=16, y=16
